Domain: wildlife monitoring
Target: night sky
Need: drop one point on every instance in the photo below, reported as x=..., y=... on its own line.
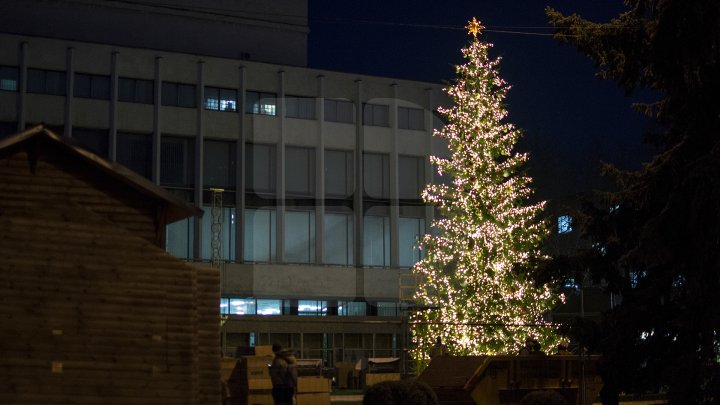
x=571, y=119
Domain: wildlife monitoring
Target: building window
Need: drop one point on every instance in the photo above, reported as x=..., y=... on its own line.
x=179, y=238
x=312, y=307
x=299, y=172
x=227, y=234
x=376, y=115
x=564, y=224
x=136, y=90
x=300, y=107
x=339, y=111
x=376, y=239
x=177, y=165
x=178, y=95
x=411, y=177
x=94, y=140
x=352, y=308
x=299, y=236
x=134, y=151
x=411, y=118
x=410, y=233
x=260, y=103
x=376, y=176
x=387, y=309
x=269, y=307
x=260, y=168
x=91, y=86
x=8, y=78
x=220, y=99
x=219, y=164
x=339, y=172
x=259, y=235
x=238, y=306
x=338, y=238
x=42, y=81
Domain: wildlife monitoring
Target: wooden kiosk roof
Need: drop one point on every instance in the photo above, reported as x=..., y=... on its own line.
x=41, y=136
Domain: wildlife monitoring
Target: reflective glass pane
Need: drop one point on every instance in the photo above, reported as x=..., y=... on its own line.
x=338, y=235
x=179, y=238
x=299, y=236
x=259, y=235
x=410, y=232
x=376, y=241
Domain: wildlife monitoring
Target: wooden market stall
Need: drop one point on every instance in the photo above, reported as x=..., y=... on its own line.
x=92, y=309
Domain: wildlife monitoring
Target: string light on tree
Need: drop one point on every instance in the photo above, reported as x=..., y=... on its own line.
x=475, y=267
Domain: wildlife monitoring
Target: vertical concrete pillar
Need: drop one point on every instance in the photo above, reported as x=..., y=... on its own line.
x=280, y=171
x=156, y=120
x=320, y=173
x=199, y=158
x=394, y=193
x=69, y=90
x=112, y=110
x=22, y=86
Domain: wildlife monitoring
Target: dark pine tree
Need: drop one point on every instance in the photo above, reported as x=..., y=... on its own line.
x=656, y=242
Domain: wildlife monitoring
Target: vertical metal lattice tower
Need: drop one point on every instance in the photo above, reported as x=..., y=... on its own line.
x=216, y=212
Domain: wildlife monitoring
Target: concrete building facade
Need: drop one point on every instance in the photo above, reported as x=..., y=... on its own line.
x=320, y=171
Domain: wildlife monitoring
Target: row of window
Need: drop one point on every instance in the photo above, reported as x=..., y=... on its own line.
x=131, y=90
x=299, y=237
x=177, y=166
x=253, y=306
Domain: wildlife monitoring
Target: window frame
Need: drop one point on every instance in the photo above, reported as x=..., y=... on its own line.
x=332, y=111
x=229, y=98
x=137, y=90
x=171, y=95
x=369, y=115
x=404, y=120
x=9, y=74
x=304, y=108
x=564, y=224
x=95, y=90
x=60, y=88
x=257, y=103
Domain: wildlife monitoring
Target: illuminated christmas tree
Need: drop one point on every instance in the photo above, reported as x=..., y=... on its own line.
x=474, y=278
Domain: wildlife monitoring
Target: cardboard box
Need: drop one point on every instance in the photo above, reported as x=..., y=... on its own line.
x=259, y=384
x=313, y=384
x=264, y=350
x=371, y=379
x=316, y=398
x=227, y=365
x=256, y=367
x=260, y=399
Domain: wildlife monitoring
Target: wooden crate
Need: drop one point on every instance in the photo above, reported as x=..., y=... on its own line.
x=264, y=350
x=371, y=379
x=314, y=398
x=313, y=384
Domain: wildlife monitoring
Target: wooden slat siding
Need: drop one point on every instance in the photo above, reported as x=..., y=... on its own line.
x=208, y=322
x=130, y=315
x=59, y=177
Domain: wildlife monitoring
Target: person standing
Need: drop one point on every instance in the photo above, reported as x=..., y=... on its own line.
x=283, y=374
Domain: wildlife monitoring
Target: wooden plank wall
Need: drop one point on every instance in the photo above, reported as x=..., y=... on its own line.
x=90, y=312
x=208, y=335
x=63, y=177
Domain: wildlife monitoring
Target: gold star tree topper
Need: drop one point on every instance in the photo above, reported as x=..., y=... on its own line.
x=474, y=27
